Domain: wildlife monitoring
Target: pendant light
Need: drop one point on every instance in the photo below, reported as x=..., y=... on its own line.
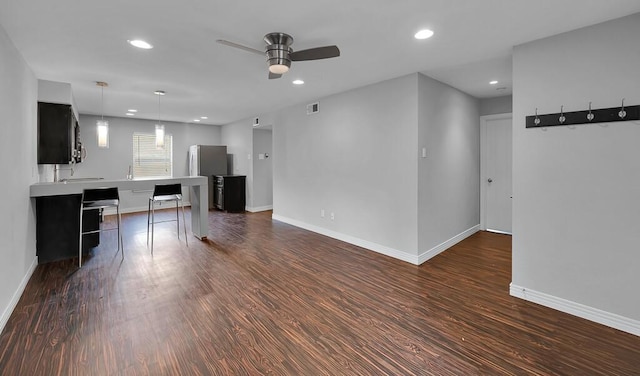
x=159, y=126
x=102, y=126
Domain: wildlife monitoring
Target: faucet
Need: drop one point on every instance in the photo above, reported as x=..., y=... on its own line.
x=57, y=168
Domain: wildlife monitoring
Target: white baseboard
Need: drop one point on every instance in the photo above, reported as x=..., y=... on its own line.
x=391, y=252
x=592, y=314
x=259, y=208
x=16, y=295
x=447, y=244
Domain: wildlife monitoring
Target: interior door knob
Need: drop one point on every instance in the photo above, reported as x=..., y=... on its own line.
x=490, y=180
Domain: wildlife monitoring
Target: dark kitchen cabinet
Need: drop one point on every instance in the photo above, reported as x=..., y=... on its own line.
x=58, y=134
x=229, y=192
x=57, y=227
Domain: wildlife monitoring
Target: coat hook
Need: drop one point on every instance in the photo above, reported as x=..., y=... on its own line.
x=590, y=115
x=537, y=119
x=562, y=119
x=622, y=114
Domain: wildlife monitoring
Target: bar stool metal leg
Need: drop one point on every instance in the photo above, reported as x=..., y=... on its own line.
x=148, y=219
x=184, y=224
x=177, y=220
x=153, y=220
x=120, y=243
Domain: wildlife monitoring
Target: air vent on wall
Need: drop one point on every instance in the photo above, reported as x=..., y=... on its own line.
x=256, y=122
x=313, y=108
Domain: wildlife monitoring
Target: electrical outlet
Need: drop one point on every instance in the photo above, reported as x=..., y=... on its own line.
x=333, y=216
x=321, y=213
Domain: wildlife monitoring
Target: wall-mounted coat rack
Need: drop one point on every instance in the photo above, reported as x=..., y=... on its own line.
x=602, y=115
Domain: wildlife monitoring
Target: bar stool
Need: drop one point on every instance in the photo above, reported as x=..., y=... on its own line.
x=166, y=193
x=100, y=198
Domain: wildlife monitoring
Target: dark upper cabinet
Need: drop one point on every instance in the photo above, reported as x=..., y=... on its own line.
x=58, y=134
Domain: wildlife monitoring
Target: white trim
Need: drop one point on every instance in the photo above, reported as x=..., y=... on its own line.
x=593, y=314
x=259, y=208
x=16, y=295
x=498, y=232
x=391, y=252
x=447, y=244
x=483, y=162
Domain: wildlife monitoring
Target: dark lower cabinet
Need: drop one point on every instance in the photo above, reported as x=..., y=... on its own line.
x=57, y=227
x=229, y=192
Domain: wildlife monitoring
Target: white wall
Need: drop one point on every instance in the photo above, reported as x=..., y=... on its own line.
x=18, y=106
x=262, y=170
x=576, y=190
x=449, y=175
x=114, y=162
x=57, y=92
x=496, y=105
x=238, y=137
x=357, y=159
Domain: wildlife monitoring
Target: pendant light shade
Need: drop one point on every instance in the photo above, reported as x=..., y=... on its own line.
x=159, y=126
x=103, y=133
x=159, y=136
x=102, y=126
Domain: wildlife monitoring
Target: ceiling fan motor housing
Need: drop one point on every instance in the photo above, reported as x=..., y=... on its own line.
x=278, y=50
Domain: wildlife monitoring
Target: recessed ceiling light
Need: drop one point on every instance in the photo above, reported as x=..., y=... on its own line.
x=424, y=34
x=196, y=120
x=130, y=114
x=203, y=117
x=140, y=44
x=298, y=82
x=132, y=110
x=494, y=82
x=159, y=92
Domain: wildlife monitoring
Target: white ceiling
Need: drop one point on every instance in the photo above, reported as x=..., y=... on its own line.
x=81, y=42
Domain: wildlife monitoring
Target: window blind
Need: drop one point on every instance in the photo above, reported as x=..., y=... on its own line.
x=149, y=161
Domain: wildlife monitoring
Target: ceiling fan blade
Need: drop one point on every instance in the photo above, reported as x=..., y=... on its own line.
x=236, y=45
x=274, y=75
x=315, y=53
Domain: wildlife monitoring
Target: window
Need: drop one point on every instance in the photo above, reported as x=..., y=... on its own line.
x=149, y=161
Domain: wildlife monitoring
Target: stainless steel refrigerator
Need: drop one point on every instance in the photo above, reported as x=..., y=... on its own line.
x=208, y=160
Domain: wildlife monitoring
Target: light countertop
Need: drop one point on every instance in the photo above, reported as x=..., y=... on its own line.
x=75, y=187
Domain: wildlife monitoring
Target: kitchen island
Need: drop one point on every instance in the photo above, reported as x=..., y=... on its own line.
x=50, y=195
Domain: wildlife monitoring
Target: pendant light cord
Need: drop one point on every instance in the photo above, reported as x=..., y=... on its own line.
x=102, y=101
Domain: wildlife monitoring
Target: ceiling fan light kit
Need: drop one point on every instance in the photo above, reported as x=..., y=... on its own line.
x=280, y=54
x=278, y=51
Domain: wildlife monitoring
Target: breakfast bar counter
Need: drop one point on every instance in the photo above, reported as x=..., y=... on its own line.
x=56, y=208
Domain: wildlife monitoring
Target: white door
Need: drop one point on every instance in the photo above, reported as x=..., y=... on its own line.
x=496, y=172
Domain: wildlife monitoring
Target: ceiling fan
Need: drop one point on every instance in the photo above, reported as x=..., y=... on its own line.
x=280, y=54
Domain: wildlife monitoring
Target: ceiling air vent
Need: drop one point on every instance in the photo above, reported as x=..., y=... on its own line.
x=256, y=122
x=313, y=108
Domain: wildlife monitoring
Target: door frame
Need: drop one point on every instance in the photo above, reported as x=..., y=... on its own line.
x=483, y=163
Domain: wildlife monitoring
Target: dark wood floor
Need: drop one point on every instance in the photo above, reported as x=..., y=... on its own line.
x=263, y=297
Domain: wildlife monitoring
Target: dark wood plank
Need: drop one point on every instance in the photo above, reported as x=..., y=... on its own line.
x=263, y=297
